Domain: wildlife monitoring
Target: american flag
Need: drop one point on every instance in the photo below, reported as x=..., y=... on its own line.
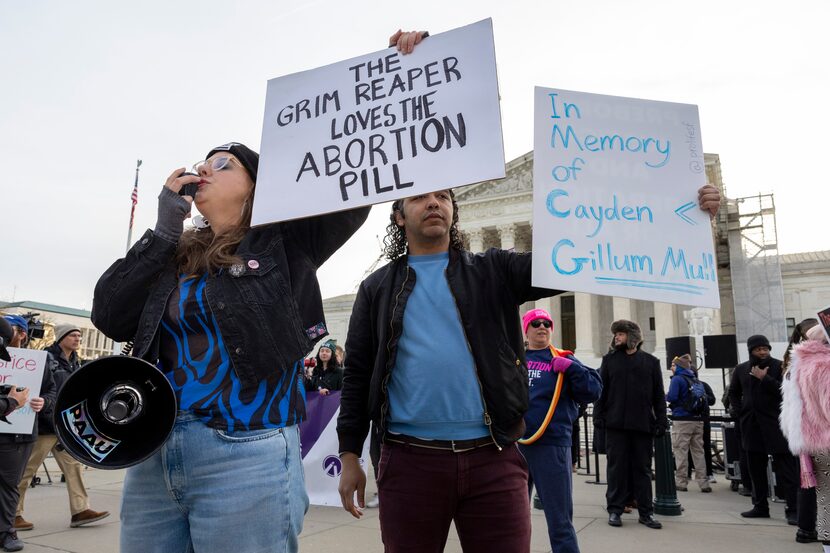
x=134, y=195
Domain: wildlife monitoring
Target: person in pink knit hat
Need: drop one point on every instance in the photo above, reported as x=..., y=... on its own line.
x=547, y=447
x=805, y=420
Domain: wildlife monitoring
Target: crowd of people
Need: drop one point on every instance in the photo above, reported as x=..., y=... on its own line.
x=470, y=405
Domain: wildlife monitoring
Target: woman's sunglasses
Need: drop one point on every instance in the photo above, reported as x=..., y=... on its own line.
x=539, y=322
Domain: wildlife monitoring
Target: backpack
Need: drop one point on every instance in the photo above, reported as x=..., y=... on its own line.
x=695, y=401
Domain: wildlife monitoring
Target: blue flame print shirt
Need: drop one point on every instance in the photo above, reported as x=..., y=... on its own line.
x=195, y=360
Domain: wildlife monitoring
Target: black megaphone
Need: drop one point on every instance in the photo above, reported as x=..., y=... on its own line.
x=114, y=412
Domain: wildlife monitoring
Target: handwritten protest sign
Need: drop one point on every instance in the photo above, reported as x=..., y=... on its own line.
x=24, y=370
x=380, y=127
x=615, y=209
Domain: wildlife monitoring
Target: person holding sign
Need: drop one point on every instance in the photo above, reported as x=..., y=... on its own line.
x=228, y=312
x=436, y=362
x=547, y=441
x=16, y=448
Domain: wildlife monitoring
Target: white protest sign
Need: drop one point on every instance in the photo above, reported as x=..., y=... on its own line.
x=24, y=370
x=381, y=127
x=615, y=208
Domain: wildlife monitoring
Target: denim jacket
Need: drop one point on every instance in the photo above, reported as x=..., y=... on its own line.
x=268, y=308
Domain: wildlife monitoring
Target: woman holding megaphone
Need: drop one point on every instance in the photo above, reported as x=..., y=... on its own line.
x=228, y=313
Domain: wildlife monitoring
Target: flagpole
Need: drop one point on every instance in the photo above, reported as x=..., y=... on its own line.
x=133, y=201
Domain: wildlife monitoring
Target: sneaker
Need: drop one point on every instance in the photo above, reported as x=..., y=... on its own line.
x=87, y=517
x=712, y=479
x=682, y=488
x=21, y=524
x=373, y=503
x=706, y=489
x=11, y=542
x=755, y=512
x=650, y=521
x=804, y=536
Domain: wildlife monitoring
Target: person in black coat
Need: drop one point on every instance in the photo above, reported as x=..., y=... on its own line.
x=327, y=375
x=632, y=410
x=755, y=400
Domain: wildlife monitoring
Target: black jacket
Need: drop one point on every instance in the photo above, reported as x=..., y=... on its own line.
x=487, y=288
x=270, y=313
x=331, y=380
x=757, y=404
x=632, y=393
x=61, y=368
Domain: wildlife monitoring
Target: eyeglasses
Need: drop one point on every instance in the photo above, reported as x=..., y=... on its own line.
x=539, y=322
x=215, y=164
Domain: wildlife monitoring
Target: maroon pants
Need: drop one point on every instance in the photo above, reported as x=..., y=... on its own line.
x=422, y=491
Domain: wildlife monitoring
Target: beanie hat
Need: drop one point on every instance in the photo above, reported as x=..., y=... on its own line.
x=62, y=330
x=635, y=335
x=18, y=321
x=533, y=315
x=330, y=344
x=755, y=341
x=817, y=333
x=683, y=361
x=246, y=156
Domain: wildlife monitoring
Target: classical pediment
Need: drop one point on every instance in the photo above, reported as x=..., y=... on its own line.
x=518, y=180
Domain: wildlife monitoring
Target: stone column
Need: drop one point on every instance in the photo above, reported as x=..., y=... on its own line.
x=507, y=233
x=556, y=314
x=584, y=314
x=665, y=326
x=476, y=237
x=622, y=309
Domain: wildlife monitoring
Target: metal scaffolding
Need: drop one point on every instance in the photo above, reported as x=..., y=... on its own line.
x=757, y=286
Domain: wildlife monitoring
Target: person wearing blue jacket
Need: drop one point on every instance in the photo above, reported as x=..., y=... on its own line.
x=548, y=451
x=687, y=435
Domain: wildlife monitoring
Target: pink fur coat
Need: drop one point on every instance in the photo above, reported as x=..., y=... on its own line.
x=805, y=410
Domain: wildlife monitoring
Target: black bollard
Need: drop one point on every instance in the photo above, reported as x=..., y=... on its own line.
x=665, y=502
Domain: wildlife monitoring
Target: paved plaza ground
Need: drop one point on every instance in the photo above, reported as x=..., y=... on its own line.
x=710, y=523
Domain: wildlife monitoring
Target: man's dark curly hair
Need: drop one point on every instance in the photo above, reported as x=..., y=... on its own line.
x=394, y=243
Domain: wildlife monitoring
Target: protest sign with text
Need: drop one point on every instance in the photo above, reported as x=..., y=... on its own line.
x=24, y=370
x=615, y=208
x=381, y=127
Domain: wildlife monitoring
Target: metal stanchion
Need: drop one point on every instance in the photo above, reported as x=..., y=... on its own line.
x=587, y=446
x=665, y=502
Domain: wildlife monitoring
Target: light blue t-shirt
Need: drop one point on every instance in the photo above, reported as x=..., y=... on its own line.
x=433, y=389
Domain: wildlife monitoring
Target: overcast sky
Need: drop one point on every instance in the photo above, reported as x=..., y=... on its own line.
x=89, y=87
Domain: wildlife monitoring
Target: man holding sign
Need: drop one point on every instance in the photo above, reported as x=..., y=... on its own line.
x=436, y=362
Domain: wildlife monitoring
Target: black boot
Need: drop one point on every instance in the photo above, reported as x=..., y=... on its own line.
x=649, y=521
x=756, y=512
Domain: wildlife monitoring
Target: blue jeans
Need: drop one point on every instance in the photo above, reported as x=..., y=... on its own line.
x=550, y=472
x=210, y=491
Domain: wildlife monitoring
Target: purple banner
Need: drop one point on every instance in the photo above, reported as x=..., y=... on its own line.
x=319, y=412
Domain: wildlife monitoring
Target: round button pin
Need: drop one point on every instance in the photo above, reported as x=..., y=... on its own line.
x=253, y=264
